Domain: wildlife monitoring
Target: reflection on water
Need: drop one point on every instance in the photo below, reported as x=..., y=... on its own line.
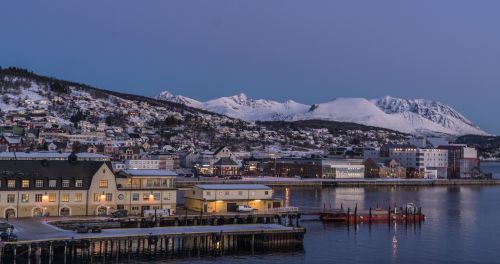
x=462, y=226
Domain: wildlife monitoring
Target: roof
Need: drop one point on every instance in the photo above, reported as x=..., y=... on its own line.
x=149, y=173
x=225, y=162
x=233, y=187
x=219, y=150
x=48, y=155
x=49, y=169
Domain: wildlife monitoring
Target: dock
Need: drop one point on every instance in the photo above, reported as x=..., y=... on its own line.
x=54, y=245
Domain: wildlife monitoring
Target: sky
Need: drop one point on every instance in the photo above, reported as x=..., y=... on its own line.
x=308, y=51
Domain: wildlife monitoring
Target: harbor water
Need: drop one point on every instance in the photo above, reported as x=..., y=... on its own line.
x=462, y=226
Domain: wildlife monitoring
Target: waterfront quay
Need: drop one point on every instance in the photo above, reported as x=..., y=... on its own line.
x=295, y=182
x=41, y=242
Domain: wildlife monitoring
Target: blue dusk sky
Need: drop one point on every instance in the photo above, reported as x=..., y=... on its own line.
x=308, y=51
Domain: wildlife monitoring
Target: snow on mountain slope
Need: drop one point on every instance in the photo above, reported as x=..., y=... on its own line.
x=242, y=107
x=415, y=116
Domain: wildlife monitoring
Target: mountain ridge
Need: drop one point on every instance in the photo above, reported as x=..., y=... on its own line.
x=413, y=116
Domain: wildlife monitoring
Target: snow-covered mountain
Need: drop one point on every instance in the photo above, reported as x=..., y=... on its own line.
x=415, y=116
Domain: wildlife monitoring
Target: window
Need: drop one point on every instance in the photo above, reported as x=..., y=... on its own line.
x=103, y=184
x=109, y=197
x=39, y=183
x=38, y=197
x=97, y=197
x=266, y=192
x=227, y=193
x=52, y=197
x=78, y=197
x=252, y=193
x=25, y=183
x=157, y=196
x=240, y=193
x=135, y=197
x=65, y=183
x=11, y=184
x=208, y=193
x=25, y=198
x=11, y=198
x=65, y=197
x=78, y=183
x=52, y=183
x=135, y=208
x=145, y=196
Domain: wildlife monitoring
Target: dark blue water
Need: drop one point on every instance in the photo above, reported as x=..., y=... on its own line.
x=462, y=226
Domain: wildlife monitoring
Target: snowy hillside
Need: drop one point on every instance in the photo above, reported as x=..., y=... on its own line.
x=416, y=116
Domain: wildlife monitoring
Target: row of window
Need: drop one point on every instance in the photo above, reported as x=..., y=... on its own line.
x=51, y=197
x=40, y=183
x=227, y=193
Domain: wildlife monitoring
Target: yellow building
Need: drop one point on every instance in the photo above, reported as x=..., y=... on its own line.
x=76, y=187
x=223, y=198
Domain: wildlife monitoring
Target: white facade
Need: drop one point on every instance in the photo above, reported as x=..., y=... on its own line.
x=343, y=168
x=142, y=164
x=470, y=153
x=434, y=162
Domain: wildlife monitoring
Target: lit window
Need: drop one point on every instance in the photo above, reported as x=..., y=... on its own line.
x=39, y=183
x=11, y=184
x=97, y=197
x=65, y=183
x=65, y=197
x=78, y=197
x=25, y=198
x=103, y=184
x=25, y=183
x=52, y=197
x=38, y=197
x=78, y=183
x=145, y=196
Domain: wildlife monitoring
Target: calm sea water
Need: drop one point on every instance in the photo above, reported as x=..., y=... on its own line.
x=462, y=226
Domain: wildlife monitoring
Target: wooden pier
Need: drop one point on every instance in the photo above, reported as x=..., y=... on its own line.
x=118, y=245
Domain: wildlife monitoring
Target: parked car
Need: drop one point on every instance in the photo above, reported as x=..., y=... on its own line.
x=82, y=228
x=96, y=229
x=8, y=237
x=245, y=208
x=119, y=213
x=4, y=226
x=158, y=213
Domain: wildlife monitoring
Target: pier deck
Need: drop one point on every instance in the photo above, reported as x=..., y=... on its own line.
x=40, y=242
x=34, y=230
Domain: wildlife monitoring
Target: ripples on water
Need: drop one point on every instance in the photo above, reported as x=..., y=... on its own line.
x=462, y=226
